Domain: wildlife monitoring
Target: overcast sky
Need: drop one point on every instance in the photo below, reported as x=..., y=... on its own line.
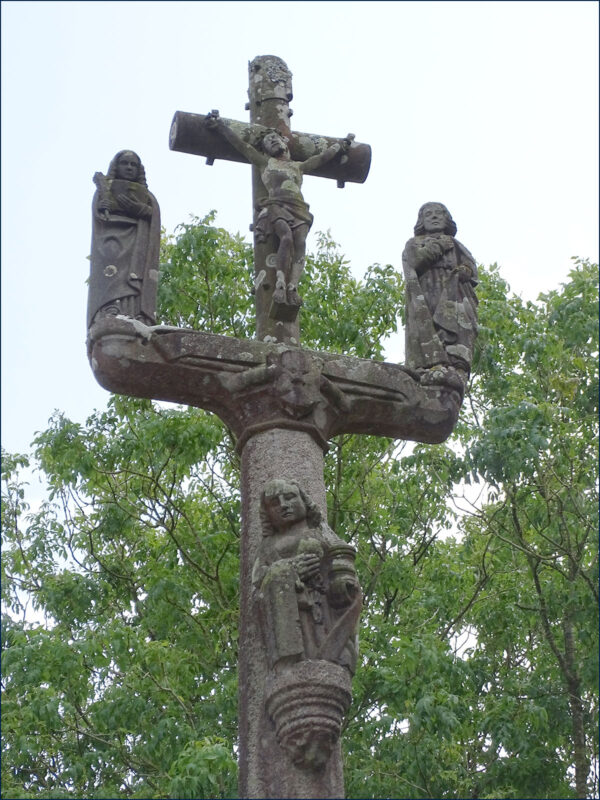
x=488, y=107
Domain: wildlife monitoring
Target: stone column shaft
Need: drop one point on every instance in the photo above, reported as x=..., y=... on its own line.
x=265, y=770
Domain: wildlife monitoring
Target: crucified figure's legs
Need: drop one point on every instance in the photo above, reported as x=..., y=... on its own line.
x=285, y=253
x=290, y=261
x=300, y=233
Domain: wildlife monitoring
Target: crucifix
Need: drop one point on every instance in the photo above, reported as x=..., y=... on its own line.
x=279, y=157
x=300, y=596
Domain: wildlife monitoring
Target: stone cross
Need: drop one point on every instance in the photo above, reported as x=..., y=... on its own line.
x=300, y=597
x=270, y=92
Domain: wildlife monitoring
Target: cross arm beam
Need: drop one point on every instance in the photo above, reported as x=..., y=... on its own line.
x=190, y=133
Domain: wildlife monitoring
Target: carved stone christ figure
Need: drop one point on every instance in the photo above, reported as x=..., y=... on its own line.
x=284, y=213
x=125, y=243
x=306, y=583
x=441, y=303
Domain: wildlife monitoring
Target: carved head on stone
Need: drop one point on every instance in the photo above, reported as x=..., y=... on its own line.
x=434, y=218
x=274, y=144
x=283, y=503
x=311, y=749
x=298, y=381
x=127, y=166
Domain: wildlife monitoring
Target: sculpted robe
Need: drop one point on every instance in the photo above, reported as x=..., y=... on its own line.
x=125, y=253
x=316, y=619
x=441, y=303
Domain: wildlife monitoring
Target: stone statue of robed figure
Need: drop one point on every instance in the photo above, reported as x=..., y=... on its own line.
x=125, y=243
x=305, y=580
x=441, y=305
x=309, y=599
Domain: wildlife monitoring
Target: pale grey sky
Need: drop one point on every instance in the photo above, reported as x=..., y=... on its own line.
x=488, y=107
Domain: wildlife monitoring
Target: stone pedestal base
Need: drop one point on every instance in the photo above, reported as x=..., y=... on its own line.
x=307, y=702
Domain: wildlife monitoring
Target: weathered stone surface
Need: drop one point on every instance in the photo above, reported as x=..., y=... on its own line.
x=307, y=703
x=300, y=596
x=305, y=582
x=441, y=305
x=308, y=599
x=283, y=212
x=125, y=243
x=254, y=385
x=266, y=769
x=190, y=134
x=281, y=218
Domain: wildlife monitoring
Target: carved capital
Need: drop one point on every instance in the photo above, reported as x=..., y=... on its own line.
x=288, y=391
x=307, y=703
x=270, y=79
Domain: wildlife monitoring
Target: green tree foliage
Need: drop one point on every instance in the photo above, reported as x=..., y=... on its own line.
x=533, y=435
x=478, y=652
x=515, y=713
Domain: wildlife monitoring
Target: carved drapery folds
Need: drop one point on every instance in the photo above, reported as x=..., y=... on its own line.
x=309, y=601
x=441, y=305
x=125, y=243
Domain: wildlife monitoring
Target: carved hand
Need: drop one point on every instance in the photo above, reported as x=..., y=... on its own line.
x=433, y=248
x=104, y=205
x=465, y=273
x=426, y=253
x=212, y=119
x=306, y=565
x=134, y=207
x=347, y=143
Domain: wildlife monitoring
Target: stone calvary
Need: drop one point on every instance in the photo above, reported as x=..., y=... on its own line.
x=300, y=595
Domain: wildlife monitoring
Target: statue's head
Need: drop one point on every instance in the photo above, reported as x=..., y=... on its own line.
x=283, y=503
x=273, y=144
x=434, y=218
x=127, y=166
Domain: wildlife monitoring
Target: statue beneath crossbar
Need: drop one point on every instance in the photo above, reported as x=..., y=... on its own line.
x=309, y=598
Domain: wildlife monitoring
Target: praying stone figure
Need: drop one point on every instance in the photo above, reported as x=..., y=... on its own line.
x=310, y=601
x=441, y=305
x=283, y=211
x=125, y=243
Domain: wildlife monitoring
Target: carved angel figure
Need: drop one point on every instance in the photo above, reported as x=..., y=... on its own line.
x=305, y=581
x=125, y=243
x=441, y=274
